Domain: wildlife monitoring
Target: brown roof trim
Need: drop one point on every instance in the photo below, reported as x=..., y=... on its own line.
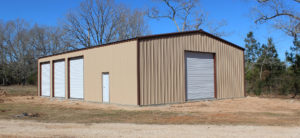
x=223, y=40
x=154, y=36
x=138, y=74
x=169, y=34
x=107, y=44
x=190, y=32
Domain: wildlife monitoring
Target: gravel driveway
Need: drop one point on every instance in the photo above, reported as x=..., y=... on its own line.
x=21, y=128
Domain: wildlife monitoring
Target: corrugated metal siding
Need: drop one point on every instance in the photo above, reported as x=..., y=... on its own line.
x=162, y=68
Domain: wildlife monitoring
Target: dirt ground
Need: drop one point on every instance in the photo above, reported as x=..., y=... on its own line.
x=13, y=128
x=247, y=104
x=240, y=117
x=249, y=110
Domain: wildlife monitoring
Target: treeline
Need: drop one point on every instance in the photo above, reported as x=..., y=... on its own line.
x=94, y=22
x=21, y=44
x=265, y=73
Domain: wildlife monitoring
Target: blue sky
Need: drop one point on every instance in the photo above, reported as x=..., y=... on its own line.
x=235, y=12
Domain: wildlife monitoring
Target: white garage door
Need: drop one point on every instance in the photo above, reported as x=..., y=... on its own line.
x=76, y=78
x=199, y=75
x=45, y=78
x=59, y=79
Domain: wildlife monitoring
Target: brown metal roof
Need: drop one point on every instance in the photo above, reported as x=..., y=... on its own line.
x=153, y=37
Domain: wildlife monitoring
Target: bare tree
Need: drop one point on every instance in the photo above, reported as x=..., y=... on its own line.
x=49, y=40
x=21, y=45
x=3, y=61
x=186, y=15
x=280, y=14
x=18, y=51
x=180, y=13
x=132, y=24
x=98, y=22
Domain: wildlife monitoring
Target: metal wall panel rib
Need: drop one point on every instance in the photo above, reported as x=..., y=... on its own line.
x=162, y=68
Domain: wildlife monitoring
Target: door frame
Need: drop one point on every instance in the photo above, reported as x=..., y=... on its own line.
x=41, y=63
x=73, y=58
x=53, y=76
x=185, y=72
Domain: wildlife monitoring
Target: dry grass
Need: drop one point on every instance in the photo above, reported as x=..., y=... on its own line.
x=20, y=90
x=242, y=111
x=62, y=114
x=55, y=113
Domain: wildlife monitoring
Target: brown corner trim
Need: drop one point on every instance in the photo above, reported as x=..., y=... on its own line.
x=138, y=73
x=39, y=78
x=215, y=75
x=52, y=79
x=245, y=94
x=68, y=96
x=185, y=76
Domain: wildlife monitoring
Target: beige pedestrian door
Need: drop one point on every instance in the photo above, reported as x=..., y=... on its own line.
x=105, y=87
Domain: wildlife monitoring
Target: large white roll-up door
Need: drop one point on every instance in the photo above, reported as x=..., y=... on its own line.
x=76, y=78
x=59, y=79
x=45, y=79
x=199, y=75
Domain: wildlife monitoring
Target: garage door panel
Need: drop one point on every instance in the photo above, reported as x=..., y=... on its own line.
x=45, y=79
x=200, y=75
x=59, y=79
x=76, y=78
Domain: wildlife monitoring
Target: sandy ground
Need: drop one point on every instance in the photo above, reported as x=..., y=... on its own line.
x=20, y=128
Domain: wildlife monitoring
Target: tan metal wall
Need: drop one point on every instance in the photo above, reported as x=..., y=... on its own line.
x=119, y=59
x=162, y=67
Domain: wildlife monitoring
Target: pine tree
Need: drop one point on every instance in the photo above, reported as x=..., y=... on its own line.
x=252, y=52
x=294, y=59
x=270, y=66
x=252, y=49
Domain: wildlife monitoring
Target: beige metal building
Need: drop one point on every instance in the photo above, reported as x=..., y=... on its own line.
x=156, y=69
